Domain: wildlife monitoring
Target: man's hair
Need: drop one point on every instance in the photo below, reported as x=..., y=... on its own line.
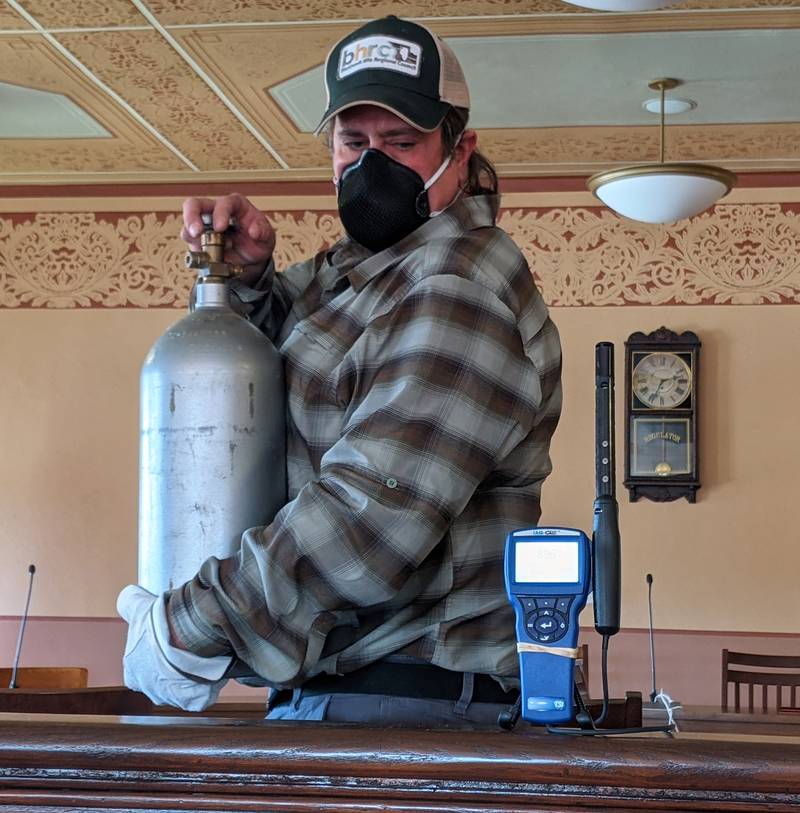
x=481, y=174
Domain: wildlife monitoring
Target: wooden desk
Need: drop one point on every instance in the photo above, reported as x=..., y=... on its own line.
x=117, y=700
x=712, y=720
x=89, y=763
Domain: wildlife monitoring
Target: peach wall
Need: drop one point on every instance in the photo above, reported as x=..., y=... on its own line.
x=729, y=561
x=71, y=354
x=68, y=483
x=68, y=480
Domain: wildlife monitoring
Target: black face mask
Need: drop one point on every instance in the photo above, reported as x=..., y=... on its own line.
x=381, y=200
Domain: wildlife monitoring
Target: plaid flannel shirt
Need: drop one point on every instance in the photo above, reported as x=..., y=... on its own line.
x=423, y=387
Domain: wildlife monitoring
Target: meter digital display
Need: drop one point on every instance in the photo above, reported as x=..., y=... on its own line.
x=546, y=562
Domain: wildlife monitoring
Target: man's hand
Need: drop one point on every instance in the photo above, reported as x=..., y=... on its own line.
x=151, y=665
x=250, y=244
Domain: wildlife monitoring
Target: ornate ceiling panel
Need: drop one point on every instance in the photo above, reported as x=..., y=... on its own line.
x=187, y=88
x=94, y=13
x=192, y=12
x=143, y=68
x=30, y=61
x=10, y=20
x=253, y=62
x=587, y=149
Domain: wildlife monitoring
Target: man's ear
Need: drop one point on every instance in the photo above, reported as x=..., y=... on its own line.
x=466, y=146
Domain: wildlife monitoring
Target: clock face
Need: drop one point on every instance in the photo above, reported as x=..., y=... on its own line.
x=662, y=380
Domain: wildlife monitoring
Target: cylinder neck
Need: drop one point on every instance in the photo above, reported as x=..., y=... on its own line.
x=212, y=292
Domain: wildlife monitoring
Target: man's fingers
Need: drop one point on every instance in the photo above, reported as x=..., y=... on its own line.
x=250, y=243
x=258, y=229
x=193, y=210
x=192, y=242
x=249, y=220
x=232, y=207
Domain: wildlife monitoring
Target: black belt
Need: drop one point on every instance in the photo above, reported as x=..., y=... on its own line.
x=403, y=680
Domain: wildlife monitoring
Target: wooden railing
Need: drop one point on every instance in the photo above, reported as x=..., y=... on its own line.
x=50, y=763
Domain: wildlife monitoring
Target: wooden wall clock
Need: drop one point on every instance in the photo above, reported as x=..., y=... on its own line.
x=661, y=383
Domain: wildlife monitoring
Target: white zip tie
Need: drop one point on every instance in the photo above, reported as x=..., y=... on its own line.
x=670, y=706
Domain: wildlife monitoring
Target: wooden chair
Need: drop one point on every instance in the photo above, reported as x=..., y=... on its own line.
x=115, y=700
x=776, y=671
x=582, y=668
x=46, y=677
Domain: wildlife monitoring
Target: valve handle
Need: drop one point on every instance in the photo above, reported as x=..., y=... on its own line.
x=210, y=260
x=208, y=223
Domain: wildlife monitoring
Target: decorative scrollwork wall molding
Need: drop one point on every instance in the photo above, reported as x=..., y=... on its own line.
x=735, y=254
x=81, y=260
x=742, y=254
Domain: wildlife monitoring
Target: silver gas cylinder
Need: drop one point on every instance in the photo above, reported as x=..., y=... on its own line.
x=212, y=441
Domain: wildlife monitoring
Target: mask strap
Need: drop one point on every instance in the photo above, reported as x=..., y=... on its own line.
x=438, y=174
x=455, y=198
x=422, y=206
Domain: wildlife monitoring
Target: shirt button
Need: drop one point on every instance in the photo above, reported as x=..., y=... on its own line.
x=391, y=483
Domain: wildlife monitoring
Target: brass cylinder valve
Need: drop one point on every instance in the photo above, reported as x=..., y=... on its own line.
x=209, y=261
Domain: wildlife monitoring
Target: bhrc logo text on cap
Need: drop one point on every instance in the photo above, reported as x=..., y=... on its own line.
x=387, y=53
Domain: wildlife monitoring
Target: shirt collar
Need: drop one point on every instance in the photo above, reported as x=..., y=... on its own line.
x=362, y=265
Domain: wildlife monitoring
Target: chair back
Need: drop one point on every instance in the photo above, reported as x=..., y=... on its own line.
x=582, y=665
x=776, y=672
x=46, y=677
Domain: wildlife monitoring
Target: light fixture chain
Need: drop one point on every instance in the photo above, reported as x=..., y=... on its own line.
x=661, y=160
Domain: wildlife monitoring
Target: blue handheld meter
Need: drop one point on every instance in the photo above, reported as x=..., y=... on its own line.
x=548, y=576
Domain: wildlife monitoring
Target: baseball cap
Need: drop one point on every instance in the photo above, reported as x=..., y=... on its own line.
x=398, y=65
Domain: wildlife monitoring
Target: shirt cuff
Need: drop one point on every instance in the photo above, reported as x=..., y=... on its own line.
x=207, y=668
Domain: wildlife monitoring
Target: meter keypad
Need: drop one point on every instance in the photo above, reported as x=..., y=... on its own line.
x=546, y=617
x=545, y=625
x=562, y=604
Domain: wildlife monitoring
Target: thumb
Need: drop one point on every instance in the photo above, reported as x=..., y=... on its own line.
x=134, y=600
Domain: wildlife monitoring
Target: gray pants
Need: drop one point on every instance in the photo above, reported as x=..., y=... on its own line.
x=382, y=709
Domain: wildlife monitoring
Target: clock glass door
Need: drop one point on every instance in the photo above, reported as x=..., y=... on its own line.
x=662, y=447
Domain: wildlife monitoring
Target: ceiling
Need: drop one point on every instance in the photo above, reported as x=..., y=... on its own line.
x=140, y=91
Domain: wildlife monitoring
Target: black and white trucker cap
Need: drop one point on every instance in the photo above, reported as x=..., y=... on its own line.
x=398, y=65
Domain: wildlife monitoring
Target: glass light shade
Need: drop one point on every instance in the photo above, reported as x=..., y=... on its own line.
x=661, y=193
x=622, y=5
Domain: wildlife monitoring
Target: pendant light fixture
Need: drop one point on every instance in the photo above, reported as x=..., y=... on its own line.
x=622, y=5
x=662, y=192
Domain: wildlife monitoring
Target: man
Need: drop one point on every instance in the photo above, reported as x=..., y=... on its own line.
x=423, y=387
